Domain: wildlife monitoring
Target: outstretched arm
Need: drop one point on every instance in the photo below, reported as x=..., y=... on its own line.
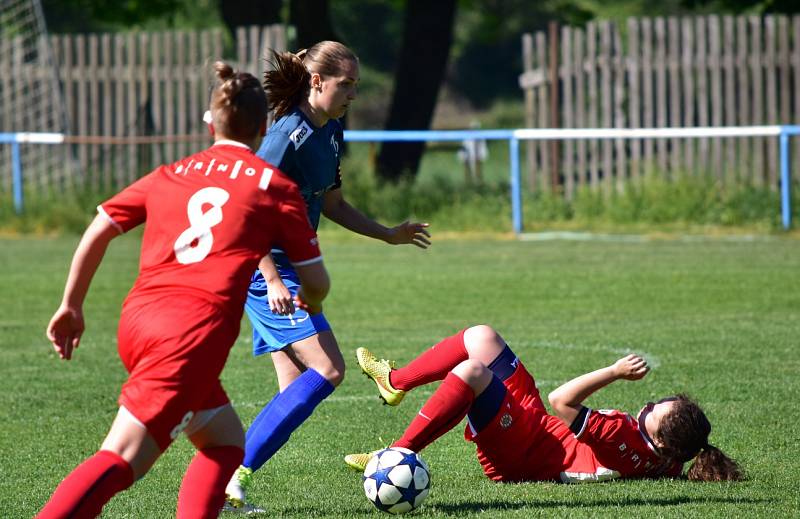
x=567, y=399
x=66, y=325
x=336, y=208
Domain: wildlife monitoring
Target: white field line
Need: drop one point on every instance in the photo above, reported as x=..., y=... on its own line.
x=639, y=238
x=652, y=360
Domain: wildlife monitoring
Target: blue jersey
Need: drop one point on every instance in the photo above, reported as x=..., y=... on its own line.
x=307, y=154
x=310, y=157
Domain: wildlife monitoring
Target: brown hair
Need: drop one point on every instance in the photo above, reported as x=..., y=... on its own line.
x=683, y=434
x=238, y=103
x=288, y=83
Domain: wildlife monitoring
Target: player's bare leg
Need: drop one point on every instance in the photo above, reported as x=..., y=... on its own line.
x=321, y=353
x=483, y=343
x=287, y=368
x=129, y=439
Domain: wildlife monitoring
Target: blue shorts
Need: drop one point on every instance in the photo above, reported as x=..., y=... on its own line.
x=273, y=332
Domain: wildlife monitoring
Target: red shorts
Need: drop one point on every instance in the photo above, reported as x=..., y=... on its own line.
x=174, y=350
x=518, y=444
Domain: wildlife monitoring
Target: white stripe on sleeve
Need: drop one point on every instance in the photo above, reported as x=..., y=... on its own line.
x=105, y=215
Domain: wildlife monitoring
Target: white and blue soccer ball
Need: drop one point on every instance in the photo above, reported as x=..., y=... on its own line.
x=396, y=480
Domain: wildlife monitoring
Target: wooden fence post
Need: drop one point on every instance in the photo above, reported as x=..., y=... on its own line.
x=554, y=103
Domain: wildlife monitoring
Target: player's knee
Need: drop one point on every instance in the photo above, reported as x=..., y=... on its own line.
x=333, y=373
x=480, y=334
x=473, y=372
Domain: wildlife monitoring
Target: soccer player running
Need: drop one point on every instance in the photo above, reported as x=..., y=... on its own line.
x=517, y=440
x=308, y=91
x=209, y=218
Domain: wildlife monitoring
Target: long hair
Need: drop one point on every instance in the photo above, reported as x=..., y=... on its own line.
x=289, y=81
x=684, y=433
x=238, y=103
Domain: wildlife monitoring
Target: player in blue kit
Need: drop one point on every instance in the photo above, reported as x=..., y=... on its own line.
x=308, y=91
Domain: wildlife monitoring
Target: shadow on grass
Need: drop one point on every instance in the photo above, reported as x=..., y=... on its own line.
x=460, y=508
x=473, y=507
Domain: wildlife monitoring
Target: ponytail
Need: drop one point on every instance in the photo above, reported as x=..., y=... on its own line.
x=288, y=83
x=683, y=434
x=711, y=464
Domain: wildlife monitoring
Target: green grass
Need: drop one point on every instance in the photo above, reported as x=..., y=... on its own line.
x=716, y=319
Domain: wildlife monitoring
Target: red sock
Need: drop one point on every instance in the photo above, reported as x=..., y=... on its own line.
x=443, y=410
x=432, y=364
x=84, y=492
x=202, y=491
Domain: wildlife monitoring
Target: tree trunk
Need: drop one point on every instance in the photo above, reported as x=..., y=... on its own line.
x=312, y=19
x=427, y=35
x=237, y=13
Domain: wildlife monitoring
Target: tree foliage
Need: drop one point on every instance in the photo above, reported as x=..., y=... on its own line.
x=472, y=45
x=93, y=15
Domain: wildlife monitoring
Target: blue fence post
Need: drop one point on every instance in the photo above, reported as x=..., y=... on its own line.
x=516, y=196
x=786, y=202
x=16, y=176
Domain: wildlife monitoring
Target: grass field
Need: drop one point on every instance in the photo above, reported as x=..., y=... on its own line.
x=717, y=319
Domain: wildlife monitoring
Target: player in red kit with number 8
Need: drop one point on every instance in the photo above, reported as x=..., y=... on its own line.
x=209, y=218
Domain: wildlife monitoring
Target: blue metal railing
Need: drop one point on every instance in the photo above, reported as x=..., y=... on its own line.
x=783, y=133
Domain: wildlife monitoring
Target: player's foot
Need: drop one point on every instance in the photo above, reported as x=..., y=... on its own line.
x=237, y=487
x=378, y=370
x=359, y=461
x=244, y=509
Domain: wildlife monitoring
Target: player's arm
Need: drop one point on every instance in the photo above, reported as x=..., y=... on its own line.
x=279, y=298
x=299, y=241
x=66, y=325
x=314, y=286
x=336, y=208
x=567, y=399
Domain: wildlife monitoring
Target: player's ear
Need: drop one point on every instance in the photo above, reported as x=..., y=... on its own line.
x=209, y=121
x=316, y=80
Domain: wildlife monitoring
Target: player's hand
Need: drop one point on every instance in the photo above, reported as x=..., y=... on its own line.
x=631, y=367
x=65, y=330
x=279, y=297
x=410, y=232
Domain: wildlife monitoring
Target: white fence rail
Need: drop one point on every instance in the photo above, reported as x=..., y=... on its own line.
x=782, y=133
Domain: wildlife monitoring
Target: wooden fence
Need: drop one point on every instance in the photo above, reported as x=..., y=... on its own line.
x=133, y=101
x=657, y=72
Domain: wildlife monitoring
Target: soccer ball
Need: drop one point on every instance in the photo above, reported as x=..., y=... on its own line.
x=396, y=480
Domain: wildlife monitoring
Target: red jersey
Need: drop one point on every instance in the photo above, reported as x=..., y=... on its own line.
x=525, y=443
x=610, y=444
x=210, y=218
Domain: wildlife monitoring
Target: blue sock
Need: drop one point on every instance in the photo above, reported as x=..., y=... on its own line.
x=260, y=418
x=282, y=415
